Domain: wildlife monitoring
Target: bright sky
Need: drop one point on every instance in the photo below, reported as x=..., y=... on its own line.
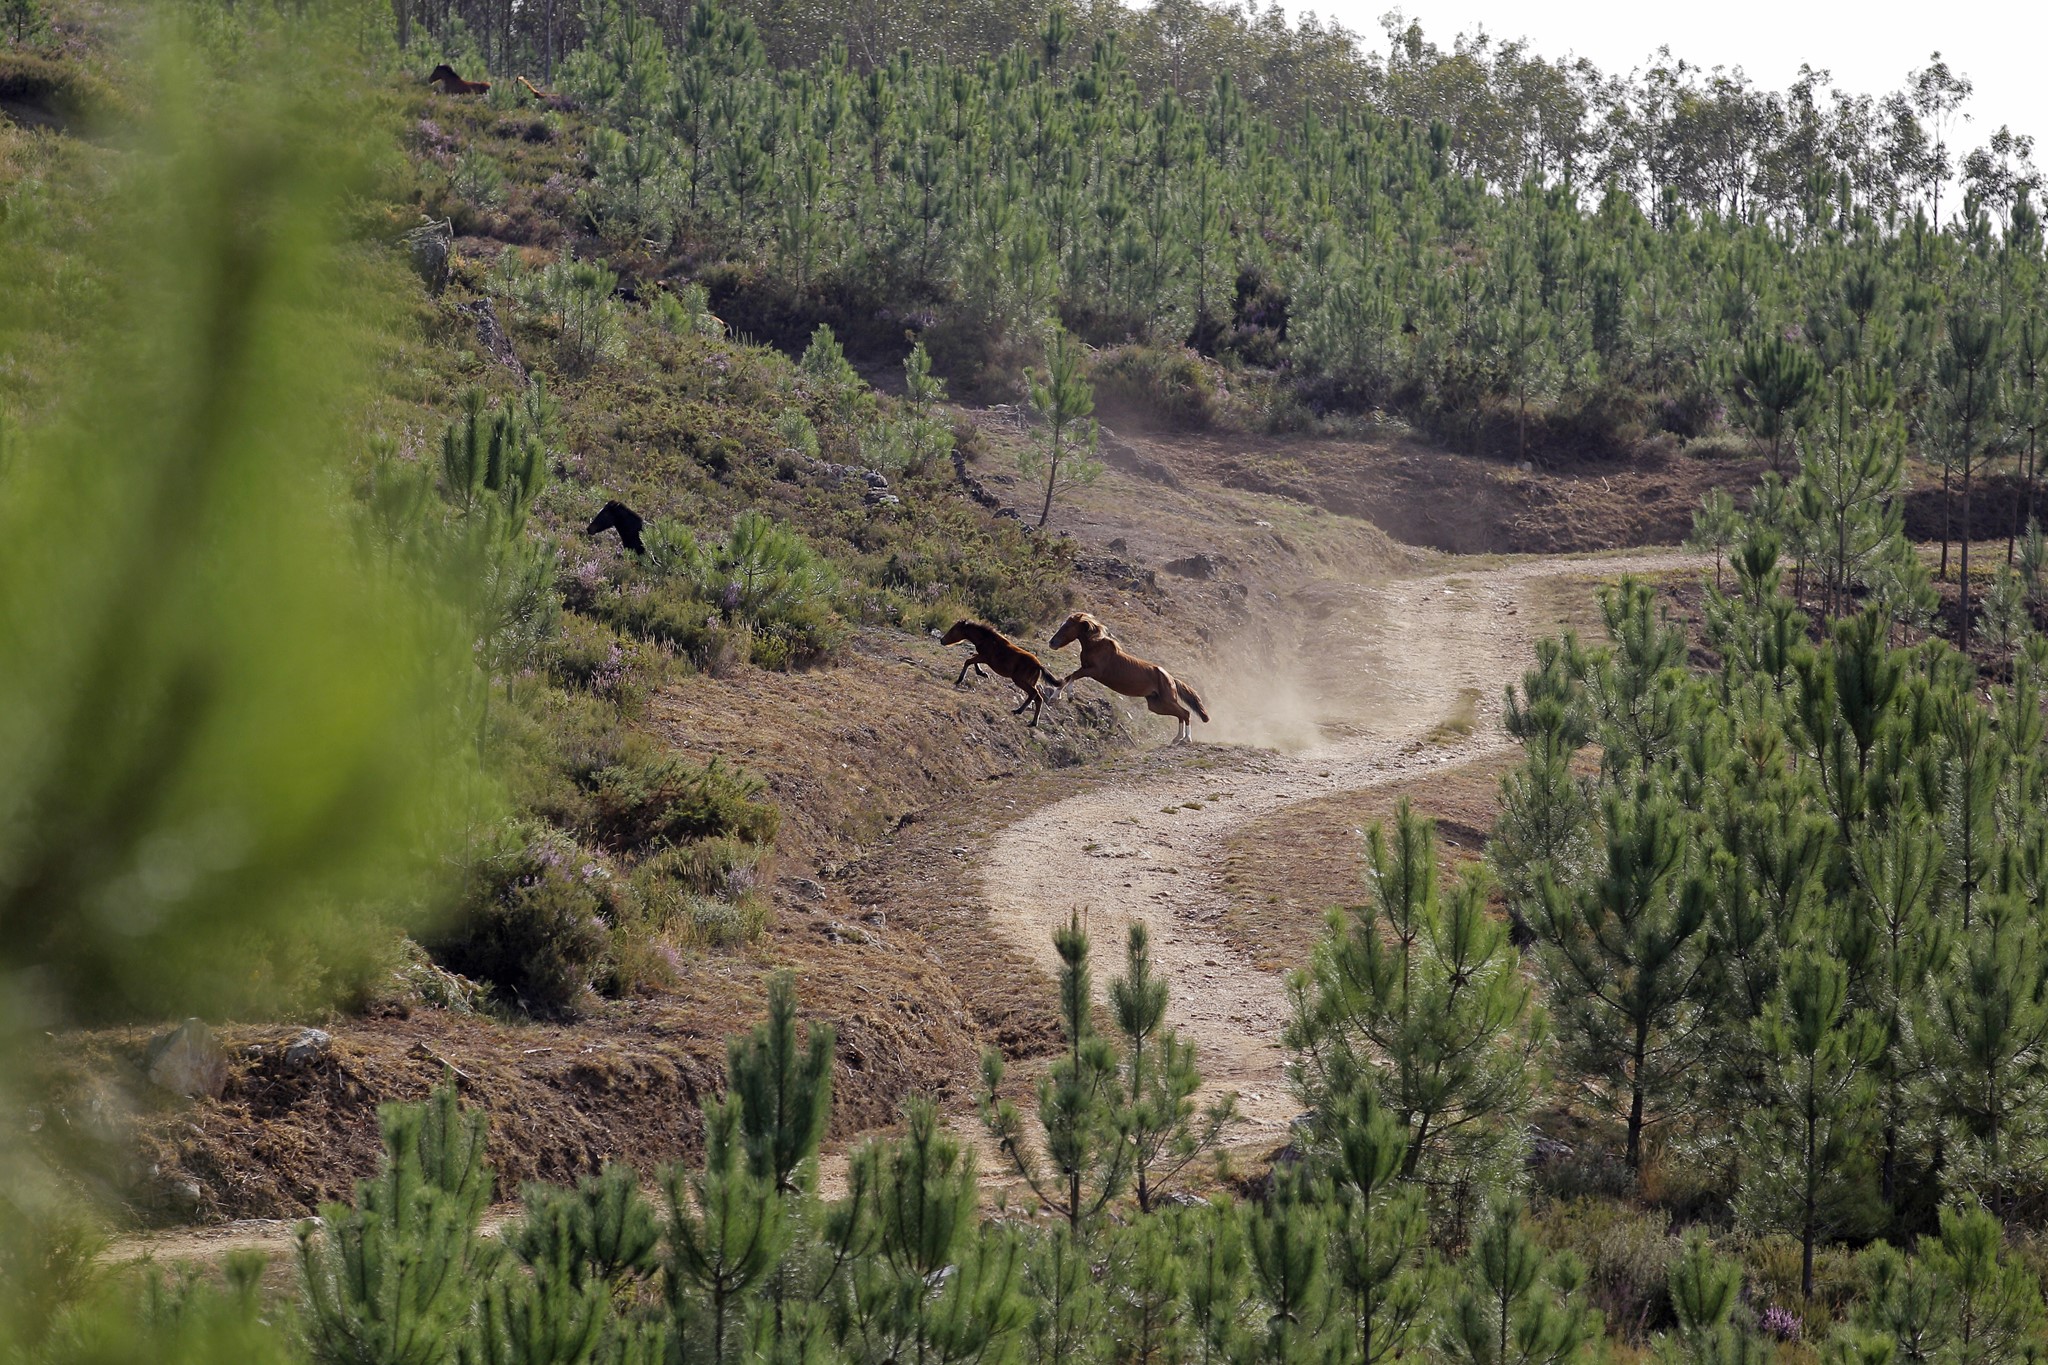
x=2000, y=45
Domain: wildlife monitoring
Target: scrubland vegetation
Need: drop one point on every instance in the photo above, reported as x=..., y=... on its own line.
x=310, y=384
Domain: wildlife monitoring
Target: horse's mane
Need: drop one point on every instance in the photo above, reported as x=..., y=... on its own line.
x=982, y=633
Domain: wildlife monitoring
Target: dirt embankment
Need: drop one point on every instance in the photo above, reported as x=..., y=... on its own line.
x=853, y=754
x=1464, y=504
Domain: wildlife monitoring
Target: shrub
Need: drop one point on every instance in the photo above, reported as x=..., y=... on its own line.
x=476, y=180
x=706, y=893
x=715, y=923
x=590, y=654
x=577, y=296
x=796, y=432
x=1604, y=422
x=685, y=310
x=1157, y=386
x=1723, y=445
x=1627, y=1256
x=647, y=799
x=534, y=923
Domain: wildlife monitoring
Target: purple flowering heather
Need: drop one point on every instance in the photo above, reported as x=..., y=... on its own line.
x=1781, y=1323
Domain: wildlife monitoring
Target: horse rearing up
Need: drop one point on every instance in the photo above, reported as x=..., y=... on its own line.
x=452, y=84
x=1104, y=660
x=1005, y=656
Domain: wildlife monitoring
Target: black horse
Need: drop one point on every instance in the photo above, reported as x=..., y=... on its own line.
x=616, y=516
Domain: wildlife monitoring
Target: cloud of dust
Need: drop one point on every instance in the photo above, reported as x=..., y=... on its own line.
x=1257, y=696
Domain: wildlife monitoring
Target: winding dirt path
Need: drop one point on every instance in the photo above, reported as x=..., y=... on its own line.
x=1425, y=661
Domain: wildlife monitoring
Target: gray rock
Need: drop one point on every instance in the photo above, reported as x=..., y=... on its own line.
x=807, y=889
x=1197, y=566
x=306, y=1047
x=188, y=1061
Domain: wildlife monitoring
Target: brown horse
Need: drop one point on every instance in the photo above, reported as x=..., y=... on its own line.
x=452, y=84
x=1005, y=656
x=1104, y=660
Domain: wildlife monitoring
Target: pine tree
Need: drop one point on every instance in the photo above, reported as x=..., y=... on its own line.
x=1987, y=1033
x=1967, y=372
x=1287, y=1236
x=1637, y=684
x=2027, y=397
x=1420, y=998
x=1895, y=869
x=1775, y=381
x=1994, y=1311
x=1167, y=1133
x=554, y=1315
x=1704, y=1289
x=1517, y=1306
x=604, y=1230
x=1818, y=1051
x=1147, y=1277
x=927, y=435
x=1376, y=1231
x=919, y=1285
x=1848, y=490
x=1623, y=953
x=1067, y=1305
x=1546, y=809
x=1089, y=1155
x=1714, y=527
x=1062, y=457
x=391, y=1280
x=725, y=1232
x=784, y=1090
x=1212, y=1244
x=1959, y=1297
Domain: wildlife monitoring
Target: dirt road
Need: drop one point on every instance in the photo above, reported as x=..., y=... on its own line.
x=1417, y=667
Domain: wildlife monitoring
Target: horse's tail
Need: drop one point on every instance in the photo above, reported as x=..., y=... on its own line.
x=1192, y=698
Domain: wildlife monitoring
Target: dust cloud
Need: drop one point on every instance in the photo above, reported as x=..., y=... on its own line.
x=1259, y=698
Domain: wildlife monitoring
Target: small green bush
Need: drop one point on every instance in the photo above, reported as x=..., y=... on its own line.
x=1627, y=1256
x=650, y=799
x=715, y=923
x=535, y=924
x=1722, y=445
x=1158, y=386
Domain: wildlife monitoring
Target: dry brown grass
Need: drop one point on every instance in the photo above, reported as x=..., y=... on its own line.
x=1286, y=870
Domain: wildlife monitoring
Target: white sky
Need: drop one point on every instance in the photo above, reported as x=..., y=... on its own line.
x=2001, y=46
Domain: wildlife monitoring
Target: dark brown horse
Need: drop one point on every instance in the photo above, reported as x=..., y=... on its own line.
x=1104, y=660
x=616, y=516
x=452, y=84
x=1005, y=656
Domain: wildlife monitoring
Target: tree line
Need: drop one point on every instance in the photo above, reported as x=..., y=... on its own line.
x=1537, y=282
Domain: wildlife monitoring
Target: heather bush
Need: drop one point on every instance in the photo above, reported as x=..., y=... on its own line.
x=1157, y=386
x=646, y=797
x=535, y=923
